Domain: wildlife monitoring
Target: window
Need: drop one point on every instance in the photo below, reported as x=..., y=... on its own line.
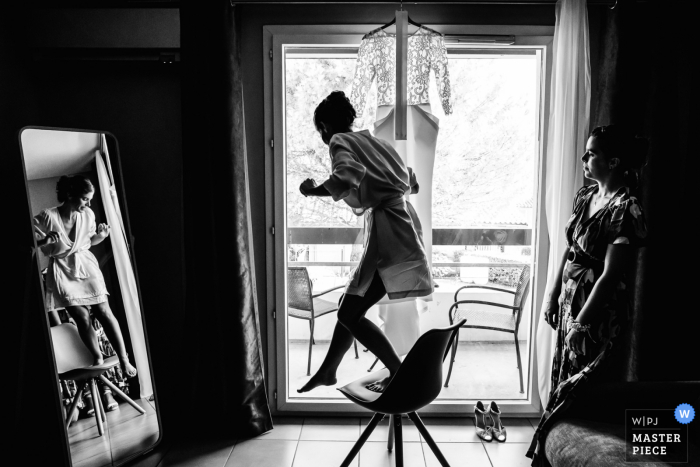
x=485, y=212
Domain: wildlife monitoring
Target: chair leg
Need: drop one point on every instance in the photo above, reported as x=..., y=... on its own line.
x=398, y=441
x=311, y=332
x=375, y=362
x=520, y=365
x=428, y=439
x=124, y=397
x=95, y=395
x=363, y=438
x=98, y=405
x=74, y=405
x=390, y=438
x=311, y=341
x=452, y=357
x=355, y=344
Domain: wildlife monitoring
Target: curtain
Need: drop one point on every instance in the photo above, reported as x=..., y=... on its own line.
x=646, y=84
x=125, y=272
x=225, y=364
x=612, y=106
x=568, y=130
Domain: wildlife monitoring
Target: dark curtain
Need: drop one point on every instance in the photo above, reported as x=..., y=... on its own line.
x=643, y=80
x=224, y=370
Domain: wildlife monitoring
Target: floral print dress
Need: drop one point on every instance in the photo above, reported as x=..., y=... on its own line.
x=621, y=221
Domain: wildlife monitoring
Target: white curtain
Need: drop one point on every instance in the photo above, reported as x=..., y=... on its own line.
x=570, y=97
x=125, y=273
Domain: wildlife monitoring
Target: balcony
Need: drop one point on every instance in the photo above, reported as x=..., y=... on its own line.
x=485, y=366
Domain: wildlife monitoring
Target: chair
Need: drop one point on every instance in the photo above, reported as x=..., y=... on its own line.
x=416, y=384
x=504, y=322
x=302, y=303
x=74, y=362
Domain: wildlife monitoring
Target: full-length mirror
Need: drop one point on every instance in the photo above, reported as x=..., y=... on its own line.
x=91, y=294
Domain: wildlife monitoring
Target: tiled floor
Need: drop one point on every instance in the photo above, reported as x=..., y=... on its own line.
x=482, y=371
x=324, y=442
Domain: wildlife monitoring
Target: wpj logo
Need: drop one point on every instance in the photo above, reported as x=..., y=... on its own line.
x=657, y=435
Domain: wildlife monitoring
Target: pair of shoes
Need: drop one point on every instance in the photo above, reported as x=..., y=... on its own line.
x=488, y=422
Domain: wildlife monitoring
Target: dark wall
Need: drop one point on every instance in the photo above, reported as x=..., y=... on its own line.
x=138, y=102
x=255, y=17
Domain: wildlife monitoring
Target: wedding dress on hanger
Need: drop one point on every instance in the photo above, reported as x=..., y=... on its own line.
x=376, y=61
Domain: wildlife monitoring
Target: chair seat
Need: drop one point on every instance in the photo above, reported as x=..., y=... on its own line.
x=91, y=371
x=321, y=307
x=358, y=393
x=491, y=319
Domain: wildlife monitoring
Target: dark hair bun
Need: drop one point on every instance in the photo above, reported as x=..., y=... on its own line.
x=72, y=187
x=620, y=142
x=336, y=110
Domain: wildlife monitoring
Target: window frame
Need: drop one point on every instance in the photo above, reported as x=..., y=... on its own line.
x=275, y=40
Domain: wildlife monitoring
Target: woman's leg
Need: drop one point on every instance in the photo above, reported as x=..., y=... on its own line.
x=81, y=316
x=114, y=333
x=352, y=316
x=350, y=320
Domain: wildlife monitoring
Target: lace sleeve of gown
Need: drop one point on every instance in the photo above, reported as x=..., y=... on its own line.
x=438, y=61
x=364, y=75
x=347, y=171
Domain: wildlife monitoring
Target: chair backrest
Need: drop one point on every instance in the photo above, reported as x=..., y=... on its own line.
x=419, y=379
x=523, y=288
x=68, y=348
x=299, y=289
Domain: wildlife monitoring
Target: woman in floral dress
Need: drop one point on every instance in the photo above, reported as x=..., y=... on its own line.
x=589, y=307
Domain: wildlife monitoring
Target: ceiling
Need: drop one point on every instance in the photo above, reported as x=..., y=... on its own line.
x=52, y=153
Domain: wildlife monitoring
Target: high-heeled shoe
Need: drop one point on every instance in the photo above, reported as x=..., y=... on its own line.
x=498, y=431
x=89, y=406
x=108, y=401
x=483, y=422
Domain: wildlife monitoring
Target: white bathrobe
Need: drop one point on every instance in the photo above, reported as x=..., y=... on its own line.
x=74, y=276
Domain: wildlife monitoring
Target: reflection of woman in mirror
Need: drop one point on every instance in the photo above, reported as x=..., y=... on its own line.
x=74, y=280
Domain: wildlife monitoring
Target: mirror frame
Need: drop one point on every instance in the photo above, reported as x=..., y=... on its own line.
x=121, y=193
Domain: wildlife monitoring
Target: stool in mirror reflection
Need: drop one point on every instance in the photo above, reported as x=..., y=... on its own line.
x=74, y=363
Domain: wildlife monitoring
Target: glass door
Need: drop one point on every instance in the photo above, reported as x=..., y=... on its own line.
x=485, y=217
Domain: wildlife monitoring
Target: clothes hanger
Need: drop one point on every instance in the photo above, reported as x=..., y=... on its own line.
x=410, y=21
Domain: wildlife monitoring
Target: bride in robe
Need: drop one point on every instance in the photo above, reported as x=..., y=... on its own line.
x=65, y=234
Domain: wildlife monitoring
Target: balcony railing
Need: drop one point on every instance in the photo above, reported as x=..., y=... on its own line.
x=471, y=236
x=462, y=237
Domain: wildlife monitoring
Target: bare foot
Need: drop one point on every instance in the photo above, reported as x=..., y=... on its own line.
x=380, y=386
x=319, y=379
x=98, y=361
x=128, y=369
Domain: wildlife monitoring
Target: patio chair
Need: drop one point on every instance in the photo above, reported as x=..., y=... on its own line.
x=493, y=320
x=302, y=303
x=416, y=384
